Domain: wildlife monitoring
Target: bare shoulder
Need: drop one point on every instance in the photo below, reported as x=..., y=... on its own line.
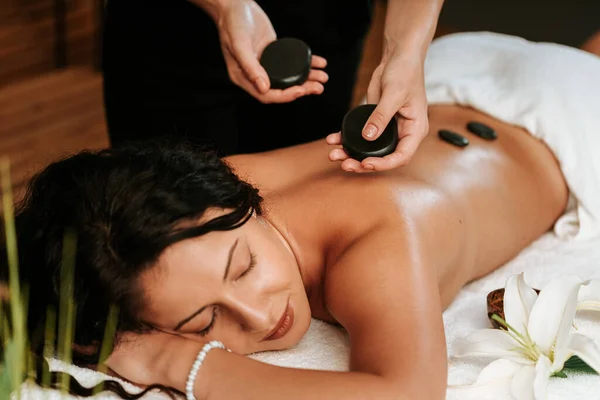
x=280, y=169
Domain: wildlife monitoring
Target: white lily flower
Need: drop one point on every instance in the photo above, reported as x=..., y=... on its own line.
x=537, y=343
x=589, y=296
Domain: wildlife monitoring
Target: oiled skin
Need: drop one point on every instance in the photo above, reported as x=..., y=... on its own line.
x=383, y=254
x=474, y=208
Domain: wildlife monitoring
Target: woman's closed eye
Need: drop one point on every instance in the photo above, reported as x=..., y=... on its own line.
x=251, y=265
x=206, y=331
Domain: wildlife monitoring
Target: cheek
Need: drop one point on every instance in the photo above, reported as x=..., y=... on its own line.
x=273, y=274
x=277, y=265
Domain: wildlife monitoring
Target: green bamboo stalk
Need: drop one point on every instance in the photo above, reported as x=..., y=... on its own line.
x=28, y=372
x=6, y=327
x=16, y=305
x=67, y=307
x=4, y=335
x=107, y=344
x=49, y=338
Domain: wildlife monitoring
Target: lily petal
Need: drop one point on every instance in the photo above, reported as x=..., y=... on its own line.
x=519, y=299
x=488, y=343
x=586, y=349
x=589, y=305
x=500, y=369
x=561, y=355
x=543, y=370
x=521, y=387
x=589, y=296
x=492, y=383
x=552, y=315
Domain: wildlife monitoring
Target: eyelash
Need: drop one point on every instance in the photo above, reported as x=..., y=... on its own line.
x=251, y=266
x=206, y=330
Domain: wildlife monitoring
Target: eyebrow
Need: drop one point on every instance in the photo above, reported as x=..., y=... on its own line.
x=227, y=268
x=229, y=258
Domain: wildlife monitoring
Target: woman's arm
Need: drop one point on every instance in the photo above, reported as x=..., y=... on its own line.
x=388, y=301
x=385, y=292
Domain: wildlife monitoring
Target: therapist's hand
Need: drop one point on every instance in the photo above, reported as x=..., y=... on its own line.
x=397, y=87
x=244, y=31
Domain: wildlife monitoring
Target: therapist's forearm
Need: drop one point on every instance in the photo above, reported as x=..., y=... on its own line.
x=214, y=8
x=410, y=25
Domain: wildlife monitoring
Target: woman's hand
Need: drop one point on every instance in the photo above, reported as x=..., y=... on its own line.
x=146, y=359
x=244, y=31
x=398, y=88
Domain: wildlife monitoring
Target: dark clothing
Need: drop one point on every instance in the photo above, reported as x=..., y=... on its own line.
x=164, y=74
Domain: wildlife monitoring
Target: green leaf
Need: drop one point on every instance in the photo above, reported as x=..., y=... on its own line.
x=577, y=364
x=559, y=374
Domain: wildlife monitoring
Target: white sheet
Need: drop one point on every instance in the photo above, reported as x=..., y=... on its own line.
x=326, y=347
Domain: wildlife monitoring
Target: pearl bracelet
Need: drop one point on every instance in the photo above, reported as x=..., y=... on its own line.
x=189, y=385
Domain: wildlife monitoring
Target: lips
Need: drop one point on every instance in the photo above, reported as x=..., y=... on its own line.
x=283, y=325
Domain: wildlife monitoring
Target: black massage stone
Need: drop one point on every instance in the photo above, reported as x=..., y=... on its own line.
x=453, y=138
x=353, y=142
x=287, y=62
x=482, y=130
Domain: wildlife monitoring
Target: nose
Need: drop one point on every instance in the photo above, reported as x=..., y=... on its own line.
x=254, y=314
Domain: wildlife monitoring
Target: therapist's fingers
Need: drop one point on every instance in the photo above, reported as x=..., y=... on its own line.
x=318, y=75
x=414, y=132
x=348, y=164
x=287, y=95
x=388, y=106
x=334, y=138
x=312, y=87
x=248, y=60
x=338, y=155
x=404, y=152
x=318, y=62
x=374, y=88
x=352, y=165
x=391, y=161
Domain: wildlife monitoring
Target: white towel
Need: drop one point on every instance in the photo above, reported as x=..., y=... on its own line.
x=326, y=347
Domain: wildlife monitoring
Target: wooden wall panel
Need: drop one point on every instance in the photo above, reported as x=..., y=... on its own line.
x=28, y=36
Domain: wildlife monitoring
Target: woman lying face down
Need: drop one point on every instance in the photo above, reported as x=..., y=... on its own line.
x=192, y=248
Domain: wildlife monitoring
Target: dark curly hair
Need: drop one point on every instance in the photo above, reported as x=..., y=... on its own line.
x=125, y=206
